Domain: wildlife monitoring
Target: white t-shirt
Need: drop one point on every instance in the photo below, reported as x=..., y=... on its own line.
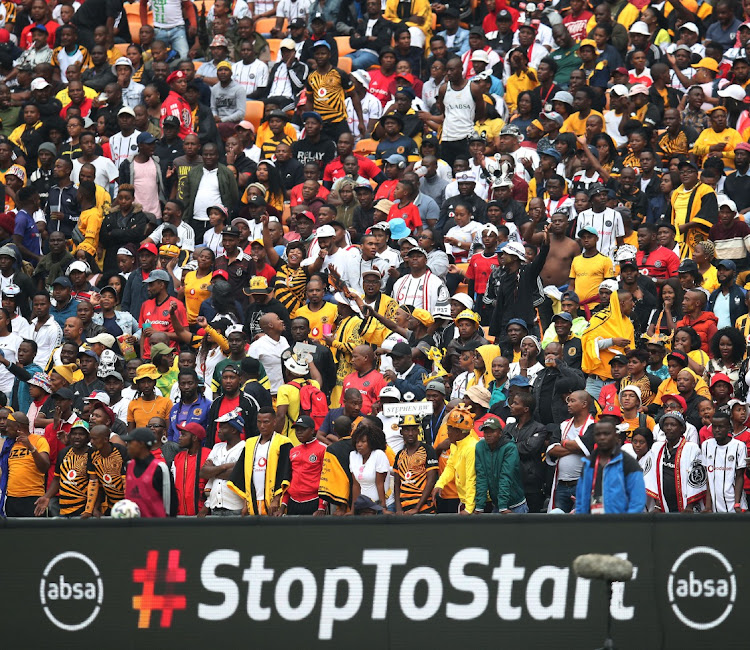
x=260, y=462
x=569, y=467
x=167, y=13
x=372, y=109
x=470, y=233
x=608, y=224
x=106, y=172
x=291, y=9
x=250, y=76
x=207, y=195
x=221, y=496
x=9, y=347
x=612, y=125
x=365, y=473
x=268, y=352
x=185, y=233
x=47, y=338
x=212, y=240
x=721, y=463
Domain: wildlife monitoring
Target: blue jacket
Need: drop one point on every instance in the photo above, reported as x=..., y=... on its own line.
x=736, y=302
x=412, y=383
x=623, y=488
x=460, y=41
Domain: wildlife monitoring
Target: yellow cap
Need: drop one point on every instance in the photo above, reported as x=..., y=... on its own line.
x=467, y=314
x=708, y=63
x=409, y=421
x=147, y=371
x=423, y=316
x=590, y=42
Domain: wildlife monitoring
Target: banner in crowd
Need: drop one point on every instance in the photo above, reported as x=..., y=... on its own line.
x=380, y=583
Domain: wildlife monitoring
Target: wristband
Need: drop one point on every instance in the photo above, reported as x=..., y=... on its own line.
x=737, y=505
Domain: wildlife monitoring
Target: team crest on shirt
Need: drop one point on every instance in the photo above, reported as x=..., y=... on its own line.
x=408, y=476
x=322, y=92
x=71, y=475
x=107, y=478
x=238, y=272
x=649, y=463
x=366, y=384
x=185, y=116
x=399, y=150
x=394, y=427
x=313, y=458
x=608, y=224
x=133, y=147
x=572, y=351
x=165, y=313
x=198, y=412
x=730, y=459
x=697, y=476
x=658, y=264
x=251, y=75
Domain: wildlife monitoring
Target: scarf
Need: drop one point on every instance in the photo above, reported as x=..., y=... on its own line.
x=606, y=324
x=565, y=428
x=4, y=456
x=689, y=475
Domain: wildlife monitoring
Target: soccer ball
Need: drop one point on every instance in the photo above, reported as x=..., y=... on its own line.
x=125, y=509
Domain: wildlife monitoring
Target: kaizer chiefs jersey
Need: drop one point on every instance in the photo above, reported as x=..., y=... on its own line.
x=72, y=472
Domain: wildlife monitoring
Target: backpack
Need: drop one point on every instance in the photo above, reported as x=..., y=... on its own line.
x=312, y=402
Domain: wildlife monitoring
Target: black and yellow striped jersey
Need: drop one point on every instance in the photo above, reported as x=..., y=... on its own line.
x=328, y=92
x=72, y=472
x=268, y=148
x=7, y=14
x=412, y=470
x=110, y=471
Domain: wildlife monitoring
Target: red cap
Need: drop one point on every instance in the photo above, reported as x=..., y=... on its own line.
x=220, y=273
x=676, y=398
x=720, y=376
x=612, y=409
x=4, y=36
x=150, y=247
x=306, y=213
x=193, y=428
x=177, y=74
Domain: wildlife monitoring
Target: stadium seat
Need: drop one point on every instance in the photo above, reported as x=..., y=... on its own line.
x=345, y=64
x=273, y=46
x=120, y=48
x=197, y=64
x=366, y=147
x=265, y=25
x=342, y=42
x=254, y=112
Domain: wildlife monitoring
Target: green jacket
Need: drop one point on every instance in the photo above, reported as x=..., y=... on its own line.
x=228, y=189
x=499, y=473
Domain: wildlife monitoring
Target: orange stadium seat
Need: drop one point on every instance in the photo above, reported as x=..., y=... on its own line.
x=254, y=112
x=345, y=64
x=366, y=147
x=265, y=25
x=342, y=43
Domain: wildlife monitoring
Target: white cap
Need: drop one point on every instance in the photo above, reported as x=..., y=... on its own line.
x=514, y=248
x=107, y=340
x=123, y=60
x=126, y=110
x=691, y=27
x=295, y=366
x=125, y=251
x=287, y=44
x=363, y=77
x=39, y=84
x=235, y=329
x=490, y=227
x=325, y=231
x=480, y=55
x=639, y=89
x=390, y=391
x=610, y=285
x=639, y=27
x=464, y=299
x=734, y=91
x=78, y=265
x=465, y=177
x=620, y=90
x=723, y=200
x=633, y=389
x=98, y=396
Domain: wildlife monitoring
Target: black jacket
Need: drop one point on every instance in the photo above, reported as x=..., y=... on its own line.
x=564, y=377
x=531, y=441
x=478, y=211
x=117, y=231
x=514, y=295
x=382, y=30
x=249, y=414
x=297, y=74
x=736, y=302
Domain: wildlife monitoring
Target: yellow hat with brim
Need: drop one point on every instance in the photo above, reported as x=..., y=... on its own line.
x=409, y=421
x=467, y=314
x=146, y=371
x=423, y=316
x=591, y=43
x=708, y=63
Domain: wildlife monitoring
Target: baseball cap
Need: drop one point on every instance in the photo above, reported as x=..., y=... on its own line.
x=39, y=27
x=572, y=296
x=563, y=96
x=78, y=265
x=170, y=120
x=126, y=110
x=63, y=393
x=62, y=281
x=612, y=410
x=517, y=321
x=244, y=124
x=149, y=246
x=638, y=89
x=552, y=153
x=724, y=201
x=39, y=84
x=390, y=391
x=258, y=284
x=480, y=55
x=708, y=63
x=564, y=315
x=595, y=188
x=287, y=44
x=395, y=158
x=691, y=27
x=436, y=385
x=145, y=138
x=193, y=428
x=321, y=43
x=304, y=422
x=735, y=91
x=620, y=90
x=107, y=340
x=687, y=266
x=727, y=264
x=554, y=116
x=231, y=231
x=491, y=423
x=720, y=376
x=401, y=349
x=325, y=231
x=98, y=396
x=141, y=434
x=619, y=358
x=156, y=275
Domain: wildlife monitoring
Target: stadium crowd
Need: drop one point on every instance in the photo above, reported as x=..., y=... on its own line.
x=309, y=257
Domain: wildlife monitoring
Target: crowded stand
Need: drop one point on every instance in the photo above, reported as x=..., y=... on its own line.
x=374, y=257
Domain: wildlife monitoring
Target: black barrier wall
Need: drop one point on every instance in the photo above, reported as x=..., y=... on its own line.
x=433, y=582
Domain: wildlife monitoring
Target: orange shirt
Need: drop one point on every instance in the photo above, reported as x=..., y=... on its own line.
x=24, y=479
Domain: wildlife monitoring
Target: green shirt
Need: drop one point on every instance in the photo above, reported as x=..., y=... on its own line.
x=567, y=61
x=9, y=117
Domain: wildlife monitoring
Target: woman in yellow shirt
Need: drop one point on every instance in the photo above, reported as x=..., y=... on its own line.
x=703, y=254
x=196, y=285
x=719, y=139
x=321, y=315
x=147, y=404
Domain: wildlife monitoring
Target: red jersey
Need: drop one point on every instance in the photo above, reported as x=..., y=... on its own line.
x=479, y=270
x=229, y=404
x=176, y=105
x=409, y=213
x=268, y=272
x=187, y=482
x=335, y=169
x=369, y=386
x=295, y=197
x=659, y=263
x=608, y=396
x=382, y=86
x=55, y=446
x=24, y=42
x=307, y=464
x=385, y=191
x=159, y=320
x=577, y=24
x=86, y=106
